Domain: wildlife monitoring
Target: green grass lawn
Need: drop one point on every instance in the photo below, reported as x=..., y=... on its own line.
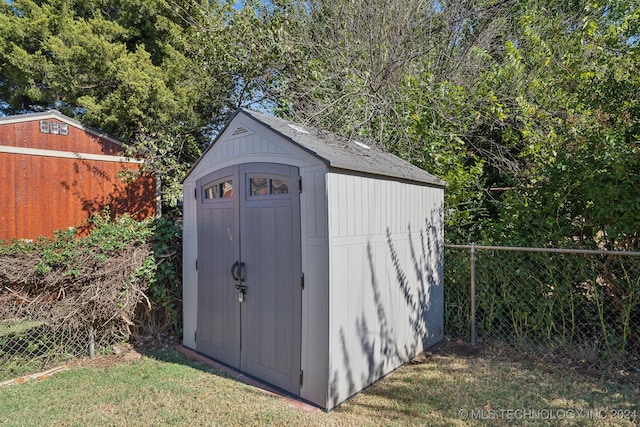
x=166, y=388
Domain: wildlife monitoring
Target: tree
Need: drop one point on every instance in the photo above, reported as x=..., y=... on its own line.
x=160, y=75
x=404, y=74
x=511, y=101
x=350, y=60
x=587, y=192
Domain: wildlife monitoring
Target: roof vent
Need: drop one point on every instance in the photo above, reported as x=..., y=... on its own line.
x=297, y=128
x=239, y=130
x=360, y=144
x=54, y=128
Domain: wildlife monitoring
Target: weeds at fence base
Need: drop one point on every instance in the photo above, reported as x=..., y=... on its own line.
x=559, y=305
x=28, y=346
x=551, y=359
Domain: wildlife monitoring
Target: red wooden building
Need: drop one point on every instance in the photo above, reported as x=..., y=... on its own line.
x=55, y=173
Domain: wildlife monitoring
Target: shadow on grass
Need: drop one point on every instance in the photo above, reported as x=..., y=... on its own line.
x=444, y=385
x=185, y=356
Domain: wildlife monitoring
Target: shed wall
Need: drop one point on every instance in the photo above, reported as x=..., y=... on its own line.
x=386, y=278
x=51, y=182
x=27, y=134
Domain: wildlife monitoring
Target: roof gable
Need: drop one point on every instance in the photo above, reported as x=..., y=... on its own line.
x=53, y=114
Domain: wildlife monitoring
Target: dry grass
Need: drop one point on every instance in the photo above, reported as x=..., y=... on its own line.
x=165, y=388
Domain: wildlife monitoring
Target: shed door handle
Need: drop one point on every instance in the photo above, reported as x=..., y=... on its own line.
x=241, y=272
x=234, y=273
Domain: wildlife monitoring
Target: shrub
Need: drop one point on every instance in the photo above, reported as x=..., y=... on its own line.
x=121, y=277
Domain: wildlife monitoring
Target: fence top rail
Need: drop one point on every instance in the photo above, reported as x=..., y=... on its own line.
x=546, y=250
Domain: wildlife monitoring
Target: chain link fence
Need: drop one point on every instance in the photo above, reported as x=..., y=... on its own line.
x=581, y=307
x=29, y=345
x=82, y=293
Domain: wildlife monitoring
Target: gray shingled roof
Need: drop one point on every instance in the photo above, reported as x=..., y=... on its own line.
x=342, y=153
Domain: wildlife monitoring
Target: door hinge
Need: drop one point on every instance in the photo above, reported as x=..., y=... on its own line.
x=301, y=376
x=302, y=280
x=195, y=193
x=195, y=335
x=196, y=265
x=300, y=184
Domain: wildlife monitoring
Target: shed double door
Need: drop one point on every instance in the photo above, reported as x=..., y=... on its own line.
x=249, y=271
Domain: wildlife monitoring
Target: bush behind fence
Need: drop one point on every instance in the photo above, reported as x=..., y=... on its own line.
x=580, y=307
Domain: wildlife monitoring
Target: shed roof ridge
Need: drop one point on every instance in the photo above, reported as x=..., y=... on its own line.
x=341, y=152
x=310, y=129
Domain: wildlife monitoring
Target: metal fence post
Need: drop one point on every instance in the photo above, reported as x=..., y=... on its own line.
x=91, y=343
x=473, y=294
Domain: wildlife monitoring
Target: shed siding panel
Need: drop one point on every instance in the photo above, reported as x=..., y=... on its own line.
x=332, y=189
x=344, y=194
x=381, y=279
x=352, y=202
x=377, y=208
x=339, y=326
x=372, y=209
x=315, y=297
x=354, y=289
x=315, y=324
x=189, y=271
x=310, y=227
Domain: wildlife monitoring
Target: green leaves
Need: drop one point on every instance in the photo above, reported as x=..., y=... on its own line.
x=159, y=76
x=529, y=110
x=540, y=99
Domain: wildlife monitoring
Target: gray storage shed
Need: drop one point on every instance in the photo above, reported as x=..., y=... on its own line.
x=311, y=261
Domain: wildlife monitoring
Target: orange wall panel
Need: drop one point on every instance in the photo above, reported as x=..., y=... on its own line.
x=40, y=194
x=7, y=195
x=54, y=194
